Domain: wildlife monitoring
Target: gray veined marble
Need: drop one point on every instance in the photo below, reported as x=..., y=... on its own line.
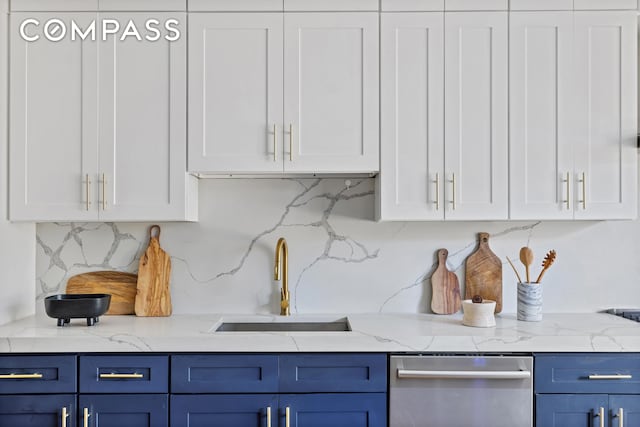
x=341, y=260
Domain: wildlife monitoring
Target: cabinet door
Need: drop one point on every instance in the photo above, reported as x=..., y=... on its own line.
x=541, y=108
x=605, y=147
x=335, y=410
x=476, y=115
x=412, y=117
x=142, y=123
x=571, y=410
x=331, y=92
x=240, y=410
x=235, y=92
x=53, y=144
x=124, y=410
x=38, y=410
x=625, y=410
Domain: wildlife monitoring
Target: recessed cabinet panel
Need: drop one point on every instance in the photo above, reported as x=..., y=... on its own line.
x=142, y=121
x=605, y=172
x=38, y=410
x=476, y=119
x=412, y=138
x=235, y=86
x=52, y=122
x=541, y=160
x=331, y=92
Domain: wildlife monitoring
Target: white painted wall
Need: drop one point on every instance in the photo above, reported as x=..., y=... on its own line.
x=340, y=259
x=17, y=248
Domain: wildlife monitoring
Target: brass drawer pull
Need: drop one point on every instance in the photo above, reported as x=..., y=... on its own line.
x=287, y=417
x=122, y=376
x=610, y=377
x=600, y=414
x=268, y=416
x=85, y=417
x=65, y=415
x=20, y=376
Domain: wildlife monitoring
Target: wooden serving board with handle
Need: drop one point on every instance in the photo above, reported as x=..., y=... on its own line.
x=121, y=286
x=484, y=273
x=445, y=296
x=153, y=298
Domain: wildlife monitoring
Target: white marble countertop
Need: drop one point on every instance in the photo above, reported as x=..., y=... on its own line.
x=592, y=332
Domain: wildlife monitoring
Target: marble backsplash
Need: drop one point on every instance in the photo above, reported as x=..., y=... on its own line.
x=340, y=259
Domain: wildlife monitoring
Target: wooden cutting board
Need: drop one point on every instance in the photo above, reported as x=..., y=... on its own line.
x=445, y=295
x=484, y=273
x=121, y=286
x=153, y=298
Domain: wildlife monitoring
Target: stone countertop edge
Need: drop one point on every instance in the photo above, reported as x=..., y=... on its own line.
x=378, y=332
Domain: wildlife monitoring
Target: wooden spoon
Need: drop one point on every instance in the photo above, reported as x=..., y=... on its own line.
x=526, y=257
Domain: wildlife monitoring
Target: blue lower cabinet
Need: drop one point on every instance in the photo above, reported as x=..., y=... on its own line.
x=224, y=410
x=335, y=410
x=572, y=410
x=38, y=410
x=124, y=410
x=626, y=405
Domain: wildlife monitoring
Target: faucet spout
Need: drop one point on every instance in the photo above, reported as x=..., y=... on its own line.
x=281, y=270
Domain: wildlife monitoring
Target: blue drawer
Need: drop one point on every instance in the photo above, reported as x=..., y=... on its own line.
x=333, y=373
x=37, y=374
x=124, y=374
x=228, y=373
x=587, y=373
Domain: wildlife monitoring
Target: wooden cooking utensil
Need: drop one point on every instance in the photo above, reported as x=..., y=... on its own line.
x=526, y=257
x=153, y=297
x=514, y=270
x=121, y=286
x=549, y=259
x=484, y=273
x=445, y=296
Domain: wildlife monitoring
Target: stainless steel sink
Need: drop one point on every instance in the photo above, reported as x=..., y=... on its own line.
x=340, y=325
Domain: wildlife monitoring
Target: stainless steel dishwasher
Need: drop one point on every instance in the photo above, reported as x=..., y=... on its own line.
x=461, y=391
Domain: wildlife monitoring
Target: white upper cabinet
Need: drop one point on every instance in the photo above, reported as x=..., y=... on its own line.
x=330, y=5
x=412, y=111
x=53, y=128
x=235, y=92
x=331, y=92
x=235, y=6
x=605, y=171
x=541, y=131
x=142, y=124
x=98, y=128
x=476, y=115
x=292, y=92
x=444, y=116
x=573, y=115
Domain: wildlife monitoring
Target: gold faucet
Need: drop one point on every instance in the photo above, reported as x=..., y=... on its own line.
x=282, y=250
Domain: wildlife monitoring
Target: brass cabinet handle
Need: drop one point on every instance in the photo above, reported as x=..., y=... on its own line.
x=568, y=200
x=453, y=191
x=290, y=142
x=287, y=417
x=121, y=376
x=275, y=142
x=64, y=416
x=20, y=376
x=85, y=417
x=268, y=416
x=437, y=202
x=610, y=377
x=104, y=192
x=583, y=180
x=601, y=415
x=88, y=194
x=620, y=416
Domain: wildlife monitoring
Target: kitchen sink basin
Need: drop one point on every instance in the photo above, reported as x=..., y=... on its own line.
x=340, y=325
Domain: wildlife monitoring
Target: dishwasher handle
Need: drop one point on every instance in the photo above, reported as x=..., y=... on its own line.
x=464, y=375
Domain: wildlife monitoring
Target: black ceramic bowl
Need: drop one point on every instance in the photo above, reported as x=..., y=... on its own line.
x=65, y=307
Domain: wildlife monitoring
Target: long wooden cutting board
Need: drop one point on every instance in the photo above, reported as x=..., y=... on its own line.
x=121, y=286
x=484, y=273
x=445, y=295
x=153, y=296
